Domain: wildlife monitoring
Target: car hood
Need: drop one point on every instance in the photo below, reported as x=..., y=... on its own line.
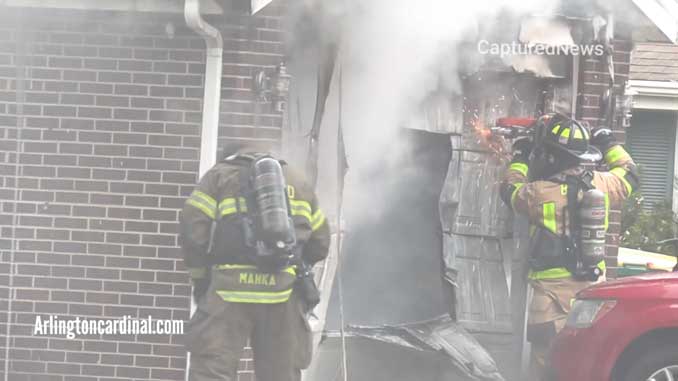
x=652, y=285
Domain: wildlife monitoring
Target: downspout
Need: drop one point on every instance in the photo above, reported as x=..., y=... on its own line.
x=211, y=98
x=212, y=95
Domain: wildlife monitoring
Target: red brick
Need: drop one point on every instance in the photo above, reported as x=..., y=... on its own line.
x=131, y=90
x=117, y=359
x=104, y=248
x=122, y=262
x=139, y=251
x=87, y=236
x=96, y=88
x=125, y=213
x=85, y=284
x=82, y=357
x=87, y=260
x=126, y=238
x=167, y=374
x=114, y=286
x=100, y=273
x=68, y=296
x=138, y=275
x=147, y=103
x=78, y=124
x=28, y=294
x=51, y=308
x=101, y=346
x=68, y=271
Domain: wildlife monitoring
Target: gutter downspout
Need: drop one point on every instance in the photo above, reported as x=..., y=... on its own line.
x=209, y=132
x=212, y=95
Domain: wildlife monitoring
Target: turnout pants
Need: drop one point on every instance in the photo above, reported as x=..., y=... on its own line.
x=279, y=334
x=550, y=304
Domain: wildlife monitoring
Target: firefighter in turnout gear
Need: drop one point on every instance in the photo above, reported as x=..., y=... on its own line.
x=250, y=231
x=549, y=183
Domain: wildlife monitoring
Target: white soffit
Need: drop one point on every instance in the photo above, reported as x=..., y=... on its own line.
x=664, y=14
x=653, y=95
x=257, y=5
x=164, y=6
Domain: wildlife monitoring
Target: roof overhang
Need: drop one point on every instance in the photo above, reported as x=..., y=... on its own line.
x=663, y=14
x=208, y=7
x=653, y=95
x=164, y=6
x=257, y=5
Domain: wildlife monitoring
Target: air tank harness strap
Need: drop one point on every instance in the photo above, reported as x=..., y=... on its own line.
x=572, y=241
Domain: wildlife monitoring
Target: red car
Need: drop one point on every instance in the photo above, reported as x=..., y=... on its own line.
x=622, y=330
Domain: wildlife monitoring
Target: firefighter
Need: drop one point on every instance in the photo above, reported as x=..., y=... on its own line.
x=242, y=294
x=547, y=182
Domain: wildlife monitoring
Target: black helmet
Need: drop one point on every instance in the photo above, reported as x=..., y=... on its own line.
x=560, y=143
x=564, y=136
x=232, y=146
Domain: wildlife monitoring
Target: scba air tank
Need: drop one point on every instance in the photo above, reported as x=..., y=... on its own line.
x=268, y=182
x=592, y=220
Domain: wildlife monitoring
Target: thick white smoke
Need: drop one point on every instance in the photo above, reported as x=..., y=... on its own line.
x=394, y=53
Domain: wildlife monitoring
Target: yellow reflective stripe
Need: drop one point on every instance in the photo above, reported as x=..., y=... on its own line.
x=515, y=193
x=234, y=267
x=227, y=206
x=578, y=134
x=301, y=205
x=255, y=297
x=301, y=208
x=558, y=272
x=550, y=216
x=554, y=273
x=519, y=167
x=614, y=154
x=290, y=269
x=318, y=220
x=566, y=132
x=203, y=202
x=621, y=173
x=209, y=212
x=204, y=197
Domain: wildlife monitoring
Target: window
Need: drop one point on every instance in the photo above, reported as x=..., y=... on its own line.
x=651, y=141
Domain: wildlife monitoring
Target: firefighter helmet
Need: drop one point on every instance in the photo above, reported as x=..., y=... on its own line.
x=565, y=136
x=560, y=143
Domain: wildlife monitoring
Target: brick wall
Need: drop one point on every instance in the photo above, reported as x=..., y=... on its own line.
x=98, y=154
x=594, y=81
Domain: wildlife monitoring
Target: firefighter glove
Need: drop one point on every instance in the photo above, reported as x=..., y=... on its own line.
x=602, y=138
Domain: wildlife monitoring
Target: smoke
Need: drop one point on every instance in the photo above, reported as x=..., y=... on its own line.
x=394, y=54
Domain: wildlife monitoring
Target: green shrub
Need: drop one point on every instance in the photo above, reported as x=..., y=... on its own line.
x=642, y=229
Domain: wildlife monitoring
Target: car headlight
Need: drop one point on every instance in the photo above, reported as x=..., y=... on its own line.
x=585, y=312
